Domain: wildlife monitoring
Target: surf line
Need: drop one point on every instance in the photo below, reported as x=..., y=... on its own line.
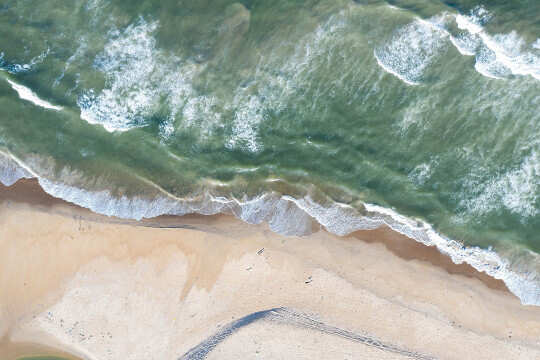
x=28, y=95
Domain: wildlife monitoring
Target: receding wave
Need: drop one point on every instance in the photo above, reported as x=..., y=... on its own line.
x=288, y=215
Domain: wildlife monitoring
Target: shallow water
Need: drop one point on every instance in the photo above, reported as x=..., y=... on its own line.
x=287, y=112
x=30, y=351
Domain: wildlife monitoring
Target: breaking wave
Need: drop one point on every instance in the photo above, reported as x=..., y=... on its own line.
x=415, y=46
x=142, y=80
x=291, y=216
x=138, y=76
x=412, y=49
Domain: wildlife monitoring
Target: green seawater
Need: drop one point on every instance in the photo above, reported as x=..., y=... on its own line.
x=430, y=108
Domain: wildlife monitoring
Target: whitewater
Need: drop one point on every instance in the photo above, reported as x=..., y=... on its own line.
x=344, y=115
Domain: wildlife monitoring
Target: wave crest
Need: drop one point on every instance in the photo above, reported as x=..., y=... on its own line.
x=415, y=46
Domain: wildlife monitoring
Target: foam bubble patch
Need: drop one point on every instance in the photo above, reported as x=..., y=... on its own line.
x=411, y=51
x=497, y=56
x=138, y=77
x=415, y=46
x=517, y=190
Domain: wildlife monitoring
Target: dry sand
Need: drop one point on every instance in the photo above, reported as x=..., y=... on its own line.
x=102, y=288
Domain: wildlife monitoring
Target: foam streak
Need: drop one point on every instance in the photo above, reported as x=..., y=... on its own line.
x=28, y=95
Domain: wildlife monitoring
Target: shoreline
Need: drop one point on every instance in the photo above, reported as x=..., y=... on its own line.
x=290, y=216
x=28, y=191
x=24, y=350
x=219, y=269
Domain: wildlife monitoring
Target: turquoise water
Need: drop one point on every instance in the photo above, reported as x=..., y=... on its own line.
x=423, y=115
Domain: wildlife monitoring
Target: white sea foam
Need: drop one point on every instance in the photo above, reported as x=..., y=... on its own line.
x=271, y=91
x=465, y=44
x=28, y=95
x=247, y=117
x=284, y=214
x=499, y=55
x=290, y=216
x=390, y=70
x=516, y=189
x=474, y=21
x=18, y=68
x=128, y=61
x=138, y=76
x=414, y=47
x=411, y=50
x=525, y=284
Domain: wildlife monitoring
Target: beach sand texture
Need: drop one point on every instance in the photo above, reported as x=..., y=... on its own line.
x=214, y=287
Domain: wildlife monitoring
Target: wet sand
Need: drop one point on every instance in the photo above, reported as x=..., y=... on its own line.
x=105, y=288
x=11, y=350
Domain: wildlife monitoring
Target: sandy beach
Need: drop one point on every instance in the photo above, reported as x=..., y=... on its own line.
x=213, y=287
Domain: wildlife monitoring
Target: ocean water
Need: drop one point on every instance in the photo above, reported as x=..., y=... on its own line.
x=423, y=115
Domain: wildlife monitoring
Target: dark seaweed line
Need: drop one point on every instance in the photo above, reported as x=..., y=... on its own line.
x=291, y=317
